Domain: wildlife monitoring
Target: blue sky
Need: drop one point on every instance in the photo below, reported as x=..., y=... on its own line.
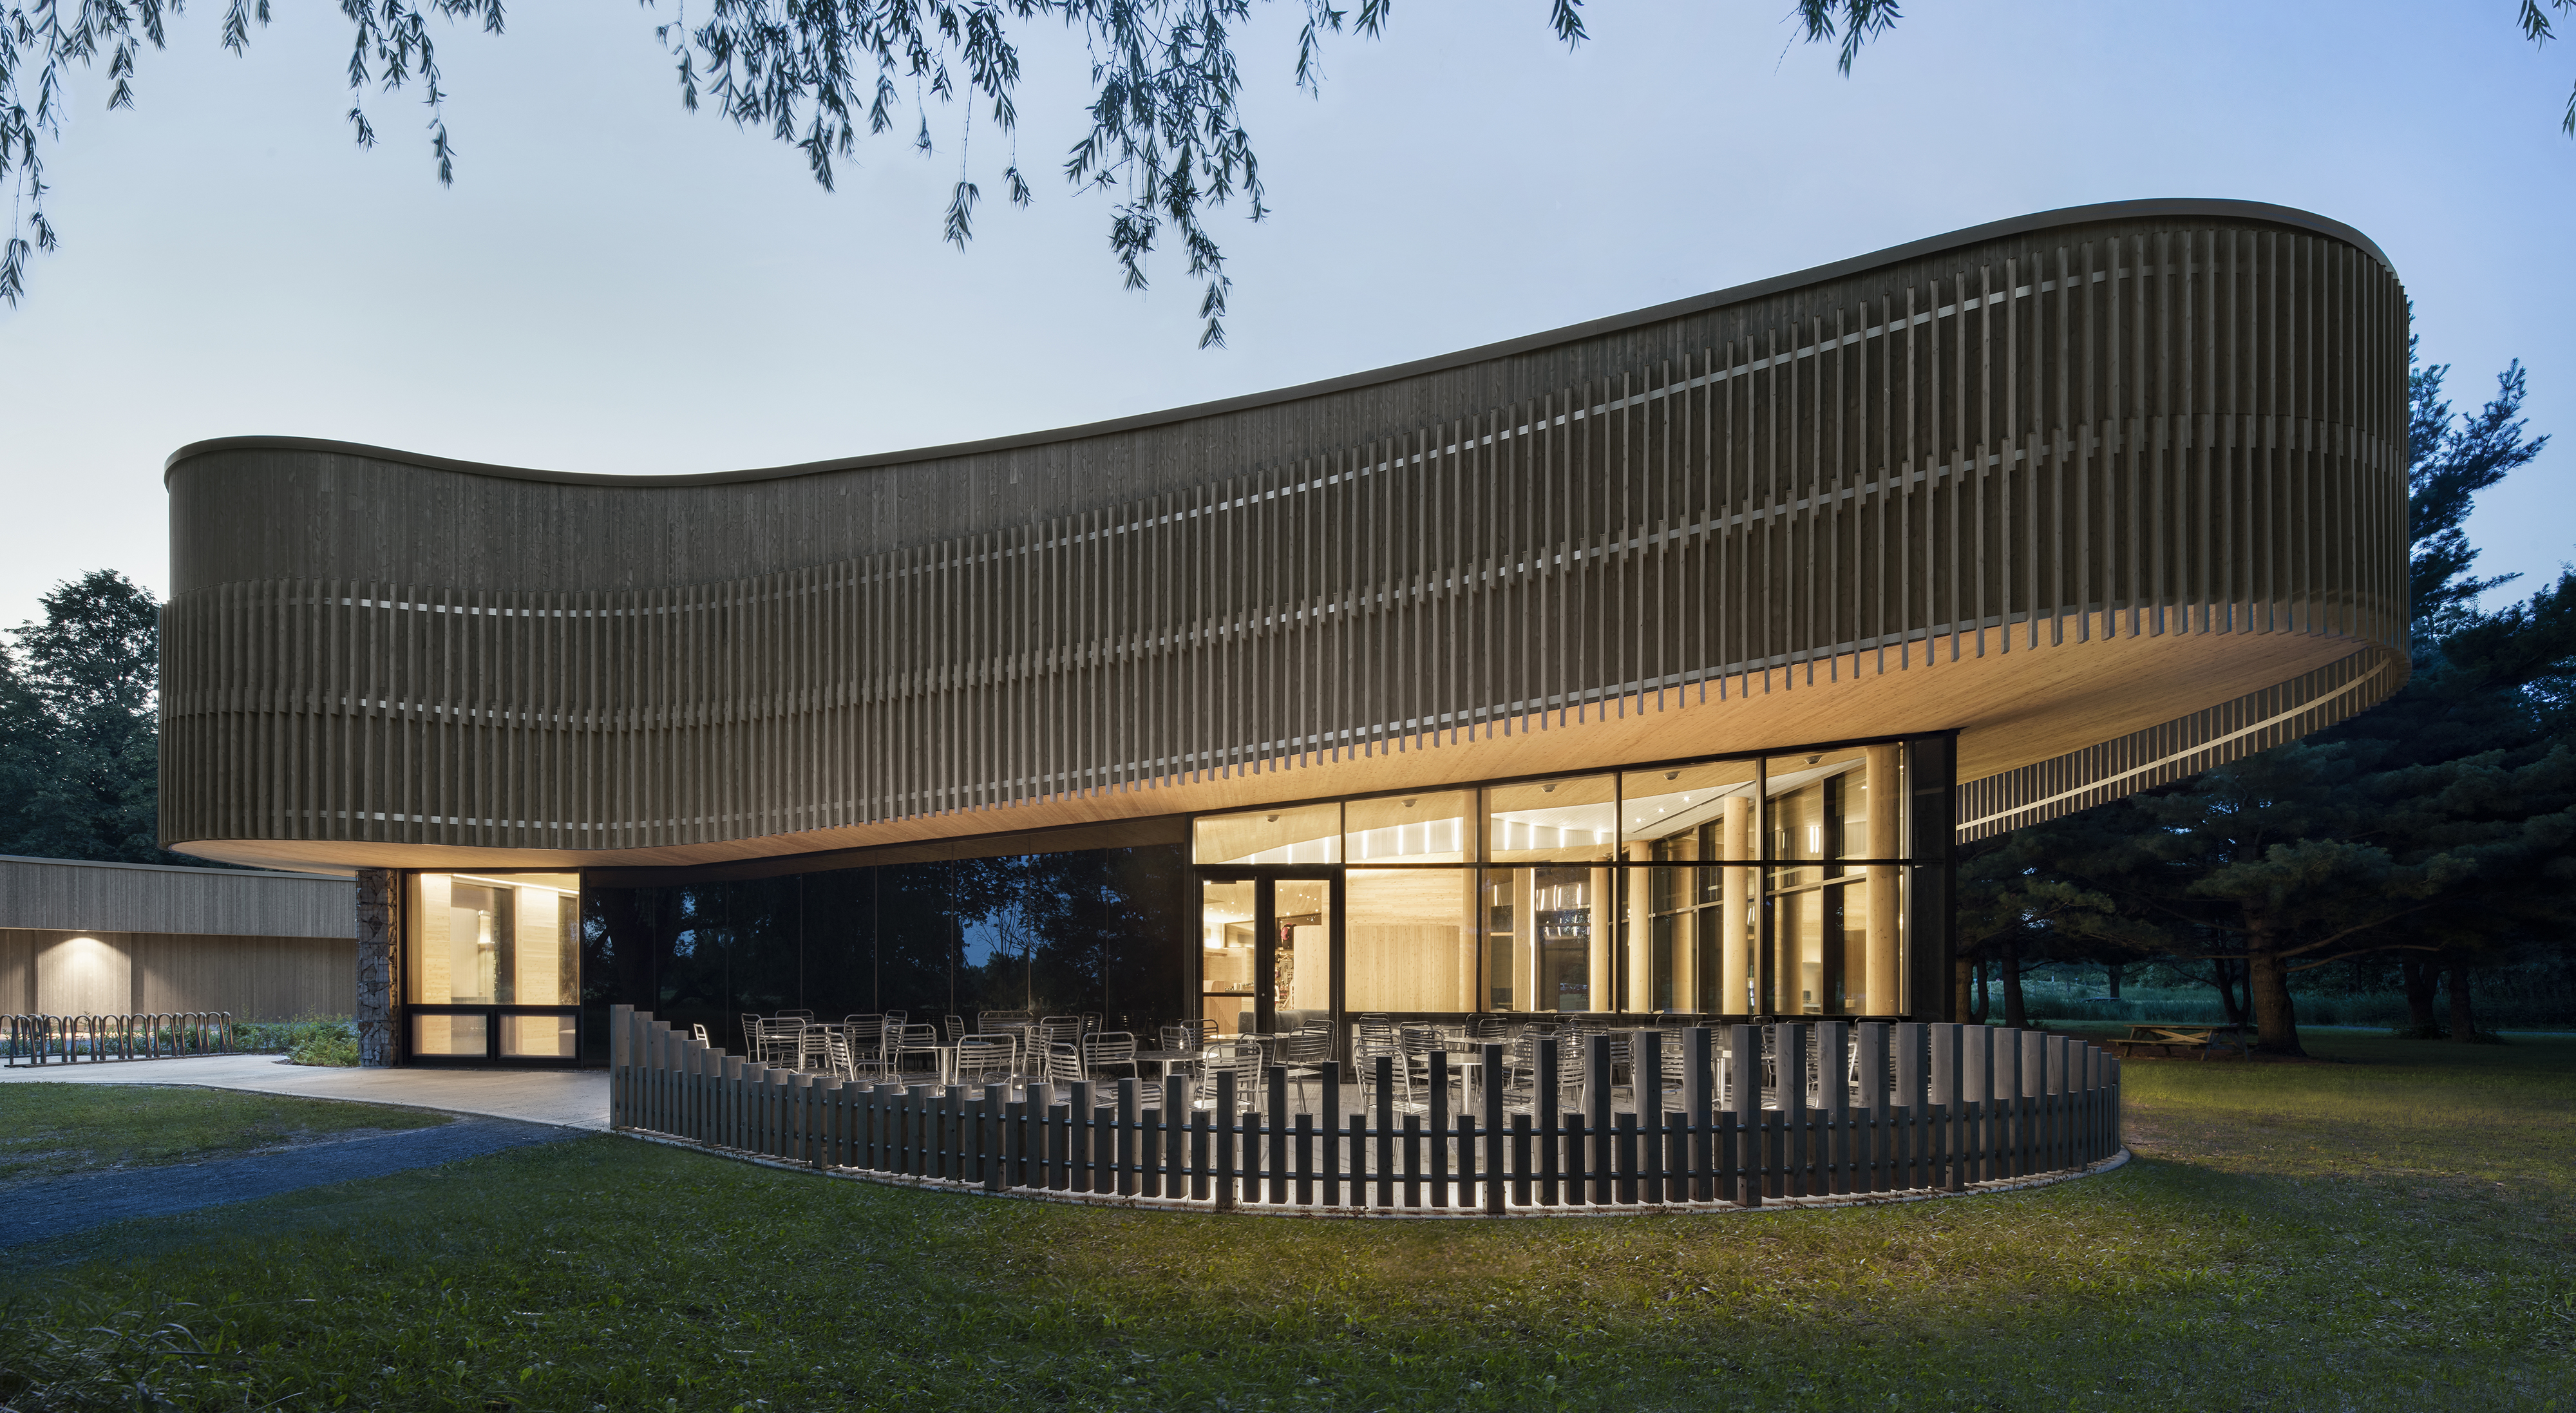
x=615, y=285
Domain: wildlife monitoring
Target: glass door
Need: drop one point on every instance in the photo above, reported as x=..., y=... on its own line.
x=1266, y=951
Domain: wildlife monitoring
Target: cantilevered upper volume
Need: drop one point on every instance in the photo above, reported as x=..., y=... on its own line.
x=2114, y=493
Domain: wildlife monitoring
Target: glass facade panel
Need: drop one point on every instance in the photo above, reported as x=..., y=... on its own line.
x=1107, y=932
x=1572, y=820
x=554, y=1037
x=1301, y=965
x=1302, y=834
x=1426, y=828
x=456, y=1037
x=494, y=940
x=1548, y=933
x=1691, y=918
x=1837, y=940
x=1227, y=952
x=1410, y=940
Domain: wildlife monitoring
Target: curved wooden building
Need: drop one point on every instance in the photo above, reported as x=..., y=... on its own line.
x=2075, y=503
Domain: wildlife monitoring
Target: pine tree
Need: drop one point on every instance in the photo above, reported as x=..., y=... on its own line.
x=2435, y=826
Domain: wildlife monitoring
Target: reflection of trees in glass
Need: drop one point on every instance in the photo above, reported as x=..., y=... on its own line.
x=1096, y=931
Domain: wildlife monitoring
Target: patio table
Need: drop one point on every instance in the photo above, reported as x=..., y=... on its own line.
x=2203, y=1038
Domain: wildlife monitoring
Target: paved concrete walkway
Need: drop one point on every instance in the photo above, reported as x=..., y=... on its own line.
x=567, y=1098
x=40, y=1211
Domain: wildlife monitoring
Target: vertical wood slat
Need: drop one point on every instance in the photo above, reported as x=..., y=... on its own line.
x=2186, y=424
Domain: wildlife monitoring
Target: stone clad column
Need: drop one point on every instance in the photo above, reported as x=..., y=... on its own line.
x=379, y=965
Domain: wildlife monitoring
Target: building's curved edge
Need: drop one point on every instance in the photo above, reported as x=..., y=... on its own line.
x=1819, y=274
x=1369, y=1214
x=2162, y=754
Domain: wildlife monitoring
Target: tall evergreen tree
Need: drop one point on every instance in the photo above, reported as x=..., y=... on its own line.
x=2435, y=826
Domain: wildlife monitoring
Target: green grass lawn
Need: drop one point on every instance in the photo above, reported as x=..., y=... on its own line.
x=51, y=1130
x=2395, y=1231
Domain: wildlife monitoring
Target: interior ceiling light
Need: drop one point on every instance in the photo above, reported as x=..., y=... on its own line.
x=1811, y=760
x=1408, y=804
x=1547, y=789
x=1672, y=775
x=1270, y=819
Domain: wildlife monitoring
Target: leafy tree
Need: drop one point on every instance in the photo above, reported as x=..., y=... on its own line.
x=79, y=725
x=1166, y=141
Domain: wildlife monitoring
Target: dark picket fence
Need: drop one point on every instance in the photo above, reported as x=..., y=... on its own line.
x=1902, y=1120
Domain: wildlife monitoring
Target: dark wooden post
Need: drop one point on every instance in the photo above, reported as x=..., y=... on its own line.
x=1833, y=1097
x=1440, y=1127
x=1385, y=1130
x=1789, y=1099
x=1543, y=1107
x=1700, y=1113
x=1597, y=1076
x=1744, y=1101
x=1225, y=1122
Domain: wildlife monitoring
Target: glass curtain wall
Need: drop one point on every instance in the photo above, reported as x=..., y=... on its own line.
x=1748, y=886
x=1096, y=932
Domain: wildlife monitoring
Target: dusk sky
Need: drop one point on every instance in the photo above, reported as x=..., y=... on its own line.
x=615, y=285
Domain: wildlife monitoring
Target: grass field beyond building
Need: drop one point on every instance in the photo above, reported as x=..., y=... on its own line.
x=2392, y=1228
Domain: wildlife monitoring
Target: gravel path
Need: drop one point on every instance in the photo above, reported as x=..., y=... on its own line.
x=40, y=1211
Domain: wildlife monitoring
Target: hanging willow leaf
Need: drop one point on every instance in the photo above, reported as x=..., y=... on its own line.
x=1165, y=140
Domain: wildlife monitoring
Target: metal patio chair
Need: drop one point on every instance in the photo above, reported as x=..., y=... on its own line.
x=985, y=1058
x=1308, y=1055
x=1062, y=1063
x=912, y=1040
x=1374, y=1037
x=1109, y=1051
x=1242, y=1059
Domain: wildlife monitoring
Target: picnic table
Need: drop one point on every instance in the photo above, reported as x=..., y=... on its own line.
x=2203, y=1039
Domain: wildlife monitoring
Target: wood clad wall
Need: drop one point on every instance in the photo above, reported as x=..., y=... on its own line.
x=83, y=896
x=57, y=972
x=2157, y=426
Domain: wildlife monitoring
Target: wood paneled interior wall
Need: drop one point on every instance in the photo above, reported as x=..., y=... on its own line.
x=2178, y=424
x=60, y=972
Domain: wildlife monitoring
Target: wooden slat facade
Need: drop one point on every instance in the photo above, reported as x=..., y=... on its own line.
x=2084, y=444
x=80, y=895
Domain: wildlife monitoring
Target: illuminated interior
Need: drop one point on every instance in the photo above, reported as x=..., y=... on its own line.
x=499, y=944
x=1737, y=887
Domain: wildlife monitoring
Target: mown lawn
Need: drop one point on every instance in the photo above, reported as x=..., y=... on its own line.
x=2395, y=1231
x=52, y=1130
